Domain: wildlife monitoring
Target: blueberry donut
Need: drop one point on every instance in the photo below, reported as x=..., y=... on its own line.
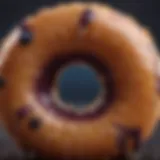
x=54, y=117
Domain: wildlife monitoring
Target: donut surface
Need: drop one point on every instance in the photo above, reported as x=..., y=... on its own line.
x=115, y=45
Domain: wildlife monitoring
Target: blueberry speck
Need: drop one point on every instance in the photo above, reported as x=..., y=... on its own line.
x=86, y=17
x=2, y=82
x=23, y=112
x=125, y=134
x=26, y=36
x=34, y=123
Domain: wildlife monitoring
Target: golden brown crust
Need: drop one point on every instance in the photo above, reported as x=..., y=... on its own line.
x=118, y=41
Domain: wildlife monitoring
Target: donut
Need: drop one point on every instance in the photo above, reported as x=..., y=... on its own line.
x=86, y=36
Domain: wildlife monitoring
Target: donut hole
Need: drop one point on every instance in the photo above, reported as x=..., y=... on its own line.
x=77, y=85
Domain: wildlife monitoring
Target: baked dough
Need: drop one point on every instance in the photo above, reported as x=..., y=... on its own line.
x=123, y=53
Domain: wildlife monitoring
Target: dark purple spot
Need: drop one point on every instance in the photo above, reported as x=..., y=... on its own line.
x=126, y=134
x=23, y=112
x=26, y=35
x=34, y=123
x=86, y=17
x=2, y=82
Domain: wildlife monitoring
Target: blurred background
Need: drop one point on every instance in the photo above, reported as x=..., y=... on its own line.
x=146, y=11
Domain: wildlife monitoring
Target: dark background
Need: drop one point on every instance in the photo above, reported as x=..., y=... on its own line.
x=146, y=11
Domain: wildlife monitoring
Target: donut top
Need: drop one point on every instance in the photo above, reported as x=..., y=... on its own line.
x=107, y=45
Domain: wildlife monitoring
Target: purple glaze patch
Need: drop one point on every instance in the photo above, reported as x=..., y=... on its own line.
x=23, y=112
x=86, y=17
x=126, y=134
x=26, y=35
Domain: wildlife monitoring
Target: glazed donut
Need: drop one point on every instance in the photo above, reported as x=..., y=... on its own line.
x=120, y=51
